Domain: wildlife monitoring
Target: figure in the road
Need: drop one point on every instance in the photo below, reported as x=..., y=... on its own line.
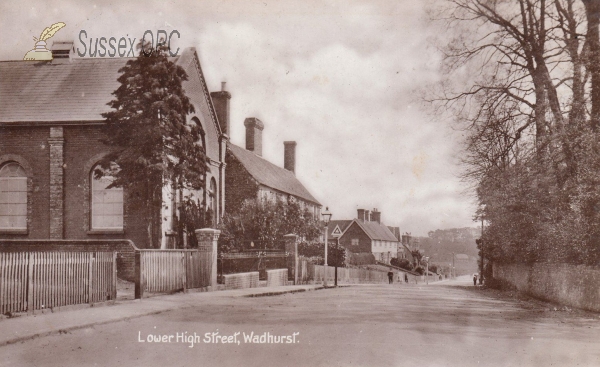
x=391, y=276
x=405, y=278
x=474, y=279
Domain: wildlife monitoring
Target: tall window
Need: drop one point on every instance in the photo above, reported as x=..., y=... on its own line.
x=13, y=197
x=107, y=204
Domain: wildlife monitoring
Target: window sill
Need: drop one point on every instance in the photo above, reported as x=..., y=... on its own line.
x=105, y=231
x=13, y=231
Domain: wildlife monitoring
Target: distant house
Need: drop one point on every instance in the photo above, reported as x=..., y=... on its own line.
x=50, y=143
x=366, y=234
x=461, y=257
x=250, y=176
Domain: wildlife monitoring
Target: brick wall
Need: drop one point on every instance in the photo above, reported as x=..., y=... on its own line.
x=241, y=280
x=239, y=184
x=60, y=161
x=354, y=231
x=125, y=250
x=30, y=144
x=277, y=277
x=571, y=285
x=56, y=143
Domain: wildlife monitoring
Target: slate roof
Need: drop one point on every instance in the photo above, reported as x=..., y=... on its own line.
x=67, y=91
x=62, y=91
x=268, y=174
x=376, y=231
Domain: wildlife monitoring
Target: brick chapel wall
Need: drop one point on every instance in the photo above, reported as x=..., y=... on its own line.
x=31, y=144
x=82, y=150
x=354, y=231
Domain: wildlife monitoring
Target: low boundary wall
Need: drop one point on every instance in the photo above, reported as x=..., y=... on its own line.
x=310, y=273
x=572, y=285
x=277, y=277
x=241, y=280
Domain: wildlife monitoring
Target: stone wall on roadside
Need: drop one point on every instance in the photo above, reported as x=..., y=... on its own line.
x=571, y=285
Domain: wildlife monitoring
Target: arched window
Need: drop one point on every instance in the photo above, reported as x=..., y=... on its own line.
x=212, y=192
x=106, y=204
x=13, y=197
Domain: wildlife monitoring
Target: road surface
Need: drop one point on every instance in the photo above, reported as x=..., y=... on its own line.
x=443, y=324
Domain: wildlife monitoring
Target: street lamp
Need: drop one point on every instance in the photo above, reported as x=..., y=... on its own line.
x=426, y=258
x=326, y=218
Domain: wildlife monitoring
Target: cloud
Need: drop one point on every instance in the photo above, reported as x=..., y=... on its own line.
x=340, y=78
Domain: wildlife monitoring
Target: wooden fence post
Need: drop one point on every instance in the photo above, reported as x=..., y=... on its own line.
x=30, y=259
x=139, y=289
x=184, y=267
x=90, y=275
x=114, y=279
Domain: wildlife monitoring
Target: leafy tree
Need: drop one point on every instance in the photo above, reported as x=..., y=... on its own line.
x=153, y=143
x=336, y=254
x=263, y=223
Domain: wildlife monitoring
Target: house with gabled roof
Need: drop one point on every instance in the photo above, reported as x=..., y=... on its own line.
x=51, y=141
x=366, y=234
x=250, y=176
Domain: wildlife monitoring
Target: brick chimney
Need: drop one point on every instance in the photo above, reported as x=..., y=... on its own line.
x=289, y=156
x=221, y=102
x=364, y=215
x=254, y=128
x=376, y=216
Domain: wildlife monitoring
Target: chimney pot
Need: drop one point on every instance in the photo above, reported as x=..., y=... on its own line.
x=289, y=156
x=376, y=216
x=254, y=128
x=62, y=51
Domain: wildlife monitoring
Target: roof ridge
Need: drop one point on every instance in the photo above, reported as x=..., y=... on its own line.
x=269, y=174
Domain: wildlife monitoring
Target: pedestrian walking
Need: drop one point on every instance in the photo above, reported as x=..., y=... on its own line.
x=474, y=279
x=405, y=278
x=391, y=276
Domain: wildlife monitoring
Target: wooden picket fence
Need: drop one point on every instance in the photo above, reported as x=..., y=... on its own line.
x=162, y=271
x=32, y=281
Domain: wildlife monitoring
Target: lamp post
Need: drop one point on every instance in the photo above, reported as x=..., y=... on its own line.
x=337, y=258
x=326, y=218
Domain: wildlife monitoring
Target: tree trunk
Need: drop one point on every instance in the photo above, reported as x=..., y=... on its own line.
x=592, y=11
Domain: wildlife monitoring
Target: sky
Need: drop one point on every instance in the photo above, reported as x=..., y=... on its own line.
x=341, y=78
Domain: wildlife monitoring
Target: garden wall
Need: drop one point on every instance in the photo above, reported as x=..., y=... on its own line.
x=572, y=285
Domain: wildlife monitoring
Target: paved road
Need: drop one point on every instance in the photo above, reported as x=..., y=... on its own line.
x=369, y=325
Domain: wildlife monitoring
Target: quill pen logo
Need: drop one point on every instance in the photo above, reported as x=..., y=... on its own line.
x=40, y=52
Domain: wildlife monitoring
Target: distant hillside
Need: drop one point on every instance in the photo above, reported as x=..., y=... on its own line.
x=441, y=243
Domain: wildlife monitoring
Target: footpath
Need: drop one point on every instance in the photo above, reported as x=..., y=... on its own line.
x=13, y=330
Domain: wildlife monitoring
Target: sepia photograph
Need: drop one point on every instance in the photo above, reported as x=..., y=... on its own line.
x=300, y=183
